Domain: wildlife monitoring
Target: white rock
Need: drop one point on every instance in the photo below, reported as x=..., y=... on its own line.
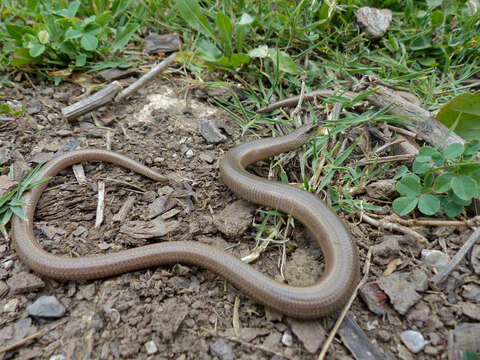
x=11, y=306
x=189, y=154
x=287, y=339
x=58, y=357
x=435, y=258
x=413, y=340
x=151, y=347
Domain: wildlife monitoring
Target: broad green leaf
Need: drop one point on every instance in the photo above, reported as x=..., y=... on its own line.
x=472, y=147
x=409, y=185
x=225, y=28
x=426, y=153
x=16, y=32
x=467, y=108
x=404, y=205
x=437, y=18
x=36, y=50
x=242, y=28
x=238, y=60
x=72, y=33
x=81, y=60
x=6, y=217
x=470, y=355
x=434, y=3
x=191, y=12
x=259, y=52
x=123, y=36
x=420, y=167
x=119, y=7
x=464, y=187
x=283, y=61
x=89, y=42
x=453, y=151
x=208, y=51
x=452, y=209
x=443, y=183
x=428, y=204
x=402, y=170
x=457, y=200
x=71, y=11
x=428, y=180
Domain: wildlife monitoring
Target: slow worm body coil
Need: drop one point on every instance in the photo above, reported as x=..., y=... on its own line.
x=341, y=259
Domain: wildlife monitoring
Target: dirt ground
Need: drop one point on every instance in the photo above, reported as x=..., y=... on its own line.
x=182, y=312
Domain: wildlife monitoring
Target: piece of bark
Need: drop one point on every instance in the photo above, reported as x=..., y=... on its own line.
x=421, y=120
x=92, y=102
x=121, y=216
x=355, y=339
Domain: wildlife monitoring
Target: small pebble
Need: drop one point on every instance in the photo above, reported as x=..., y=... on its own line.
x=46, y=306
x=8, y=264
x=435, y=258
x=151, y=347
x=58, y=357
x=11, y=306
x=222, y=350
x=287, y=339
x=413, y=340
x=189, y=154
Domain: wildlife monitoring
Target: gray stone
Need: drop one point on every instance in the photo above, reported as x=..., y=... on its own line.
x=471, y=292
x=235, y=219
x=222, y=350
x=46, y=306
x=3, y=274
x=413, y=340
x=374, y=297
x=310, y=333
x=387, y=250
x=210, y=132
x=400, y=290
x=435, y=258
x=471, y=310
x=151, y=347
x=287, y=339
x=375, y=22
x=419, y=314
x=382, y=189
x=161, y=43
x=24, y=282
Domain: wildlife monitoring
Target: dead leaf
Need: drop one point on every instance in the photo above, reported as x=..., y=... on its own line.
x=392, y=266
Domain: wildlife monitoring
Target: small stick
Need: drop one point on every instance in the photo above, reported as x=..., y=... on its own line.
x=403, y=157
x=100, y=204
x=92, y=102
x=366, y=270
x=79, y=173
x=387, y=145
x=31, y=337
x=475, y=221
x=124, y=210
x=147, y=77
x=403, y=131
x=293, y=101
x=392, y=227
x=236, y=317
x=443, y=274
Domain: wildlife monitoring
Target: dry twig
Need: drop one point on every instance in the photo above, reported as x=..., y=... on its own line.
x=390, y=226
x=443, y=274
x=31, y=337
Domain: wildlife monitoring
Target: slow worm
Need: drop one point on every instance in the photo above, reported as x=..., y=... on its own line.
x=329, y=293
